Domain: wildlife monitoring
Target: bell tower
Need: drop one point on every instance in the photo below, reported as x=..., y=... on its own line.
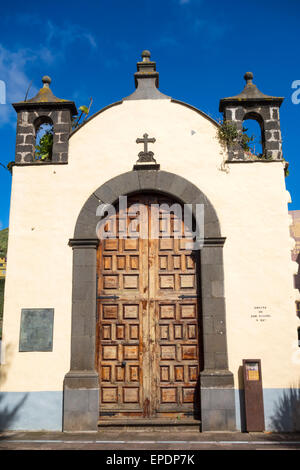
x=253, y=104
x=44, y=108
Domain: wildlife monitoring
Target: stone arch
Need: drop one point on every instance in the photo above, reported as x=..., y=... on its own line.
x=81, y=388
x=38, y=123
x=258, y=118
x=139, y=181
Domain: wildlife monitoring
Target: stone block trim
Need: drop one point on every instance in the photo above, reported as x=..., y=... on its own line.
x=81, y=409
x=267, y=115
x=30, y=118
x=146, y=180
x=217, y=400
x=218, y=409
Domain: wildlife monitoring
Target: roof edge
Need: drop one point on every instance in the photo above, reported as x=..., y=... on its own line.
x=225, y=102
x=24, y=105
x=193, y=108
x=116, y=103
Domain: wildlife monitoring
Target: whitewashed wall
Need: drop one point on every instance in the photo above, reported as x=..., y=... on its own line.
x=251, y=203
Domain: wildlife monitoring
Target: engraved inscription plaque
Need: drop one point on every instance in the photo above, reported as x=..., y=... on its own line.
x=36, y=331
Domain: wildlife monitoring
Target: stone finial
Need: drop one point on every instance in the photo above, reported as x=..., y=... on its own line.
x=45, y=96
x=146, y=56
x=146, y=80
x=248, y=77
x=46, y=81
x=250, y=92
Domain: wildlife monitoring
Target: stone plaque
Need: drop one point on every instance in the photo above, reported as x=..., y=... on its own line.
x=36, y=331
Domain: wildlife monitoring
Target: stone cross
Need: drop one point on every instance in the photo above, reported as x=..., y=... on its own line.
x=146, y=156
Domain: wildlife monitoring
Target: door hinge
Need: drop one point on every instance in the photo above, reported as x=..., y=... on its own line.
x=107, y=297
x=182, y=296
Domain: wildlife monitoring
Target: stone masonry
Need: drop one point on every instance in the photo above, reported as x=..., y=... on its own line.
x=252, y=104
x=44, y=108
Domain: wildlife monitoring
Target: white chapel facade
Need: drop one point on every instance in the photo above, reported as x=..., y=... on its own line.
x=142, y=329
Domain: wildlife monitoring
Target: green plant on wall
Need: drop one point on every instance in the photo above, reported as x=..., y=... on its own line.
x=84, y=111
x=286, y=170
x=245, y=140
x=228, y=134
x=43, y=151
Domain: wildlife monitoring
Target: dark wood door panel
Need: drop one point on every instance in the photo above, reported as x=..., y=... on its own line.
x=120, y=358
x=119, y=355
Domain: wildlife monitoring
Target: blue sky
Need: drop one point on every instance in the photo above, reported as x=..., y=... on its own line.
x=202, y=49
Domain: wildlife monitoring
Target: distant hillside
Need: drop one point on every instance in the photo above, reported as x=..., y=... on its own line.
x=3, y=241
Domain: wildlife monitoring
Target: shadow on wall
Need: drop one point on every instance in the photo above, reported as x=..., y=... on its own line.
x=287, y=411
x=9, y=414
x=281, y=407
x=8, y=411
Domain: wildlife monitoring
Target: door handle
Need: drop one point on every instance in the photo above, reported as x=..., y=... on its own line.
x=123, y=364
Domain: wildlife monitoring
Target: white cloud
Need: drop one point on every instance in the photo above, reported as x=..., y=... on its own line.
x=63, y=36
x=14, y=64
x=12, y=72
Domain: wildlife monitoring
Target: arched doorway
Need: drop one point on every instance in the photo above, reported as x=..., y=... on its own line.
x=81, y=383
x=148, y=342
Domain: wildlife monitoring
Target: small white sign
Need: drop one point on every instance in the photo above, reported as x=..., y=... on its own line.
x=260, y=313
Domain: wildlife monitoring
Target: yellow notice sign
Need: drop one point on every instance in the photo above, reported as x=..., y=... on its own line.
x=252, y=371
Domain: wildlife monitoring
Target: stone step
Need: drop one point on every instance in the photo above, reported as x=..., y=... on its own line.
x=141, y=424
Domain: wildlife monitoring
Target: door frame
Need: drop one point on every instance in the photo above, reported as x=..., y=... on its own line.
x=81, y=386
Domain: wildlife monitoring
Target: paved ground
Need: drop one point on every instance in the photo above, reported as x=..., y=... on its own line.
x=140, y=440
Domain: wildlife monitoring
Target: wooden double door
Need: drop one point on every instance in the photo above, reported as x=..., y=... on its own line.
x=148, y=349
